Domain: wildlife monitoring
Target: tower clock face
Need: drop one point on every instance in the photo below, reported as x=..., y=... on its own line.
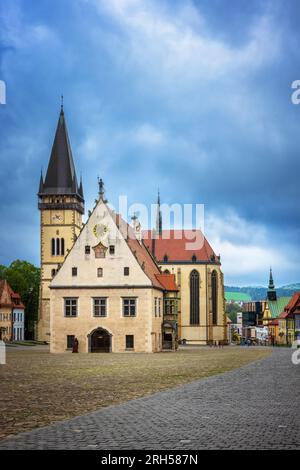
x=57, y=218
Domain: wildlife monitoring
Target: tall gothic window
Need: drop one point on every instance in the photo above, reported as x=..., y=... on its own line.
x=58, y=247
x=214, y=297
x=194, y=298
x=53, y=246
x=62, y=246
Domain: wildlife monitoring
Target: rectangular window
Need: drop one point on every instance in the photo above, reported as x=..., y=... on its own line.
x=70, y=341
x=71, y=307
x=129, y=307
x=74, y=272
x=126, y=271
x=112, y=249
x=129, y=341
x=99, y=272
x=99, y=308
x=87, y=250
x=159, y=307
x=155, y=307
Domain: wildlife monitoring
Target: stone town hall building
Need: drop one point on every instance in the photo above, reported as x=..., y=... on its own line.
x=113, y=286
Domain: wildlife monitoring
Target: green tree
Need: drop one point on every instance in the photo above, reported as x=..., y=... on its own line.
x=24, y=278
x=231, y=310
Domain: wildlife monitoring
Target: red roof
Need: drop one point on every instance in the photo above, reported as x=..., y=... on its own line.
x=293, y=307
x=143, y=257
x=167, y=281
x=180, y=245
x=8, y=298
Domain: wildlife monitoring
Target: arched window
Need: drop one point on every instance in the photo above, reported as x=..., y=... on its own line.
x=214, y=297
x=57, y=247
x=62, y=247
x=194, y=298
x=166, y=271
x=53, y=247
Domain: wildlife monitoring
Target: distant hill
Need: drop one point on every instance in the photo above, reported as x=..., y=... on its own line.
x=260, y=293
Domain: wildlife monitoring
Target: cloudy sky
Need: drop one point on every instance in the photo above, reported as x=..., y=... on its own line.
x=190, y=96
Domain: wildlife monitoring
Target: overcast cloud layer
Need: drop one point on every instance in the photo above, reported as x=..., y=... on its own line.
x=190, y=96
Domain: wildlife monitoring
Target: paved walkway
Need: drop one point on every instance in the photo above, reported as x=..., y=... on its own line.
x=255, y=407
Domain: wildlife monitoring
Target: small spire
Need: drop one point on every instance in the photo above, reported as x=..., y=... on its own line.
x=271, y=281
x=62, y=104
x=41, y=186
x=158, y=216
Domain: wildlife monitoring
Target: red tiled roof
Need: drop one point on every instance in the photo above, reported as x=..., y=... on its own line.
x=142, y=254
x=177, y=245
x=167, y=281
x=283, y=315
x=8, y=297
x=294, y=302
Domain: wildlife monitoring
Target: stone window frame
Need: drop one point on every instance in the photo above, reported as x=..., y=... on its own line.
x=71, y=299
x=93, y=306
x=130, y=299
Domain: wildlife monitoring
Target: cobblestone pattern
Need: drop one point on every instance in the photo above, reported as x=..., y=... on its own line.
x=255, y=407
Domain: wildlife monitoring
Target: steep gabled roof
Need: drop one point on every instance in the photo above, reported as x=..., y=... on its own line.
x=177, y=245
x=140, y=251
x=61, y=175
x=293, y=307
x=8, y=298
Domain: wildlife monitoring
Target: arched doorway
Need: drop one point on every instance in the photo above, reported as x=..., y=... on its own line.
x=100, y=341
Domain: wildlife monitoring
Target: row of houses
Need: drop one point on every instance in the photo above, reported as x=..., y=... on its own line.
x=277, y=318
x=12, y=315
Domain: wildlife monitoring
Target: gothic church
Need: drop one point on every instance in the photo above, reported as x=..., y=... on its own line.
x=113, y=286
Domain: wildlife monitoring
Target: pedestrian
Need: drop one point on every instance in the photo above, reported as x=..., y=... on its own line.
x=75, y=345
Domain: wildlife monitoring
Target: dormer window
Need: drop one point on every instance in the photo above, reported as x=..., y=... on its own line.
x=194, y=258
x=166, y=258
x=100, y=250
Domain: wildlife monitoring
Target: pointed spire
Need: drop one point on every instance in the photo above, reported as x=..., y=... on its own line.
x=271, y=294
x=80, y=190
x=271, y=282
x=158, y=216
x=61, y=175
x=41, y=186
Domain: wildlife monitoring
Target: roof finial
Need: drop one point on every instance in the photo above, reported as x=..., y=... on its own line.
x=62, y=103
x=101, y=189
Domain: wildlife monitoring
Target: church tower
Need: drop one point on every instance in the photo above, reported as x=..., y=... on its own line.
x=61, y=205
x=271, y=293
